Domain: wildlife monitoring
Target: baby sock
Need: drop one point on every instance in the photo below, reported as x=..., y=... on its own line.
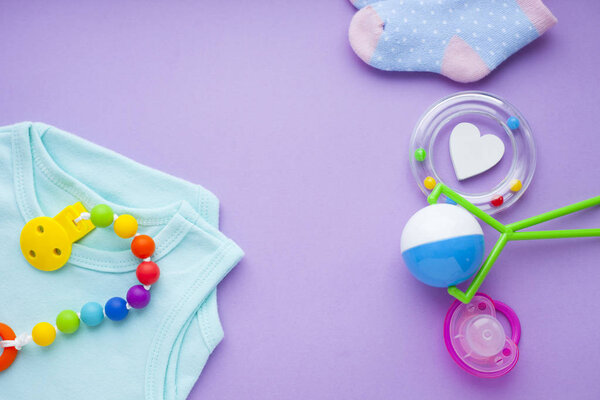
x=461, y=39
x=362, y=3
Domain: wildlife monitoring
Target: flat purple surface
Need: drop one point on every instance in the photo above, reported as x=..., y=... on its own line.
x=264, y=103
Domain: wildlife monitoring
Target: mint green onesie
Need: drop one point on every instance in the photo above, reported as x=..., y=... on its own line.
x=156, y=352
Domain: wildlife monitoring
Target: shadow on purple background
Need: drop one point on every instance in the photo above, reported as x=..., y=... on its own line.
x=265, y=104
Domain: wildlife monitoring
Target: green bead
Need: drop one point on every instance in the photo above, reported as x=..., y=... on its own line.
x=67, y=321
x=420, y=154
x=102, y=215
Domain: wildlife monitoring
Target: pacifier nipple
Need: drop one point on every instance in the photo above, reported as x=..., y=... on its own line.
x=484, y=336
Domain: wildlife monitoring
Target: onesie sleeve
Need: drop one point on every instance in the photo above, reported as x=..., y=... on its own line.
x=204, y=331
x=201, y=335
x=188, y=333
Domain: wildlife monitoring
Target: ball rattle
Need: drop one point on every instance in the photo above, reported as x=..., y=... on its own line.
x=442, y=245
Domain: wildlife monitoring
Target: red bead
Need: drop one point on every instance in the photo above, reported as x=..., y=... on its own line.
x=497, y=201
x=147, y=273
x=142, y=246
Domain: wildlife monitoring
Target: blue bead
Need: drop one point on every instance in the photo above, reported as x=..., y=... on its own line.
x=450, y=201
x=116, y=308
x=92, y=313
x=513, y=123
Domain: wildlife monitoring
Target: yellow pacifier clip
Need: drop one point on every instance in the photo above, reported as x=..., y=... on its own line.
x=46, y=242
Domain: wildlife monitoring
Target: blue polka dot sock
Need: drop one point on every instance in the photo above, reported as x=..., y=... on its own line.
x=363, y=3
x=461, y=39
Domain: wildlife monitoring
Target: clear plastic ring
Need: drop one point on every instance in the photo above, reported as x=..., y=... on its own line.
x=481, y=105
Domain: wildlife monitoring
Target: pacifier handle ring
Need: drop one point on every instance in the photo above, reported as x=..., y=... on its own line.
x=8, y=353
x=513, y=320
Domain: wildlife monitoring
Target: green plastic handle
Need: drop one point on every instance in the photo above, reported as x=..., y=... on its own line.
x=509, y=232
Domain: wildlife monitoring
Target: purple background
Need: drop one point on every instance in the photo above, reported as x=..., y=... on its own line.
x=264, y=103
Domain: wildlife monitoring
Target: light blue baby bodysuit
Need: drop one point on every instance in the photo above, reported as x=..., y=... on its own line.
x=154, y=353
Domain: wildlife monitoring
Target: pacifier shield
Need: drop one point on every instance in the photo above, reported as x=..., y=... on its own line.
x=476, y=340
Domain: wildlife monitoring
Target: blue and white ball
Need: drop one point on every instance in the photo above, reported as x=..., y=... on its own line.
x=442, y=245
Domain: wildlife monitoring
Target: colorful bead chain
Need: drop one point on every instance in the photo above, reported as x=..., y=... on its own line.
x=92, y=313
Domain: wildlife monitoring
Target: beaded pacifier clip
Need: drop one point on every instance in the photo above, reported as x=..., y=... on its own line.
x=46, y=244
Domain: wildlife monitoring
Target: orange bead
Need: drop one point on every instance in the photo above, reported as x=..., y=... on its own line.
x=142, y=246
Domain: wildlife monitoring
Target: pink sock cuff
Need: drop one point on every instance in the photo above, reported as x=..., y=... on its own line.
x=539, y=15
x=365, y=29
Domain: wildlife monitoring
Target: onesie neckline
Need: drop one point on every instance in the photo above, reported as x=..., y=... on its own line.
x=29, y=153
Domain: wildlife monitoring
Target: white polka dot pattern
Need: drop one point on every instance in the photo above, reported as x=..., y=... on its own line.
x=416, y=32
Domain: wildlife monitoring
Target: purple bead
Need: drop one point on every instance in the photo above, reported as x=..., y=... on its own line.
x=138, y=297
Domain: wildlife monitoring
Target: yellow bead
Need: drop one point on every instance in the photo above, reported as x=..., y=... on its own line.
x=126, y=226
x=43, y=334
x=515, y=185
x=429, y=183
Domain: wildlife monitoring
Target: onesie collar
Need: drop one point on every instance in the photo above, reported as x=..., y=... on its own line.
x=29, y=154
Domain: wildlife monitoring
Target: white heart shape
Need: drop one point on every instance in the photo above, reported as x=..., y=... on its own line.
x=472, y=153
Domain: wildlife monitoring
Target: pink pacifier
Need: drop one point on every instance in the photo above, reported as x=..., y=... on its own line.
x=476, y=339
